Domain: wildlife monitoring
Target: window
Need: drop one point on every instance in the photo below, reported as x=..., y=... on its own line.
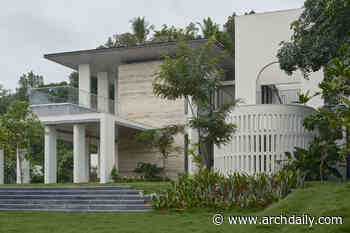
x=225, y=95
x=266, y=95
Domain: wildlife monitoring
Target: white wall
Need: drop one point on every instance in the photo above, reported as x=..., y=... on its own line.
x=257, y=41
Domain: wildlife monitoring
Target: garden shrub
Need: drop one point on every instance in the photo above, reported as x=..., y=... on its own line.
x=114, y=174
x=210, y=189
x=150, y=171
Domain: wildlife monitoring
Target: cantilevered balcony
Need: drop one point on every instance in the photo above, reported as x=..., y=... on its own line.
x=66, y=100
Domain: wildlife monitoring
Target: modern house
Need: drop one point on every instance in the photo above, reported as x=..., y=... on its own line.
x=268, y=122
x=108, y=121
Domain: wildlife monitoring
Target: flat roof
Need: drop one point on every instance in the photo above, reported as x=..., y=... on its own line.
x=108, y=59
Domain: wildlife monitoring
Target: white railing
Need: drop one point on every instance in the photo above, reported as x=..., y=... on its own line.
x=264, y=133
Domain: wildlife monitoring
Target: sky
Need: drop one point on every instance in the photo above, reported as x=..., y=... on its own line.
x=30, y=29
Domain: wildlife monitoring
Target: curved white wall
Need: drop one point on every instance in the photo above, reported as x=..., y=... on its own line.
x=264, y=133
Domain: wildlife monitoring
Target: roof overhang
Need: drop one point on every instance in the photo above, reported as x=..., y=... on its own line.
x=108, y=59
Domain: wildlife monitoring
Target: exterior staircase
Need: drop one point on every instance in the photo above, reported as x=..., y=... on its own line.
x=73, y=199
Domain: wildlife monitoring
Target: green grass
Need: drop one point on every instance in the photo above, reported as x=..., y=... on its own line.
x=328, y=199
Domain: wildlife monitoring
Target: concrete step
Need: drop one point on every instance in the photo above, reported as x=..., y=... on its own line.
x=62, y=202
x=76, y=207
x=73, y=199
x=71, y=192
x=52, y=188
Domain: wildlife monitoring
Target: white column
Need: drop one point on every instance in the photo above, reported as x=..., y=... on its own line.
x=50, y=167
x=98, y=160
x=22, y=163
x=116, y=153
x=87, y=159
x=79, y=154
x=115, y=79
x=102, y=91
x=1, y=166
x=84, y=85
x=193, y=139
x=107, y=147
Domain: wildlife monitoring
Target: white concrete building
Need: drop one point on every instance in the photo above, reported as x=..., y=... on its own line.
x=124, y=104
x=268, y=122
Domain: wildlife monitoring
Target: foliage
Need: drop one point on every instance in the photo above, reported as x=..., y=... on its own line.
x=19, y=129
x=331, y=123
x=114, y=174
x=321, y=30
x=167, y=34
x=141, y=29
x=120, y=40
x=74, y=79
x=208, y=189
x=27, y=81
x=196, y=156
x=208, y=27
x=317, y=162
x=304, y=98
x=195, y=75
x=65, y=163
x=163, y=140
x=150, y=171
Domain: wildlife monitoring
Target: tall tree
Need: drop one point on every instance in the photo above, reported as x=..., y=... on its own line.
x=141, y=29
x=319, y=33
x=19, y=129
x=208, y=27
x=196, y=74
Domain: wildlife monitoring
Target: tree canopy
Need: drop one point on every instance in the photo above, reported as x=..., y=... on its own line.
x=195, y=74
x=318, y=35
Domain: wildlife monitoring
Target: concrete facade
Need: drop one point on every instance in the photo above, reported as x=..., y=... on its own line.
x=138, y=103
x=258, y=39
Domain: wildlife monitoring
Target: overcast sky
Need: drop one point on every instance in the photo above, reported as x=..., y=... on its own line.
x=29, y=29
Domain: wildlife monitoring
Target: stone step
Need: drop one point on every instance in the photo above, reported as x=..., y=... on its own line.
x=61, y=202
x=73, y=197
x=76, y=207
x=79, y=210
x=70, y=192
x=58, y=188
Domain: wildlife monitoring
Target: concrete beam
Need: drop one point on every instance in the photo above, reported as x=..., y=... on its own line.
x=50, y=167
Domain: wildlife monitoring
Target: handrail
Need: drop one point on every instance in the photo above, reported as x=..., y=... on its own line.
x=69, y=94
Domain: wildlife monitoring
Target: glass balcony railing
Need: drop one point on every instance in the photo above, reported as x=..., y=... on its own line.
x=69, y=95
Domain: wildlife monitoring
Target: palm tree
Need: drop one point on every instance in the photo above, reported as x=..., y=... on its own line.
x=141, y=29
x=208, y=27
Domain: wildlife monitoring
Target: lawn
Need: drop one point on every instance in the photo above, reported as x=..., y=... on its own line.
x=328, y=199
